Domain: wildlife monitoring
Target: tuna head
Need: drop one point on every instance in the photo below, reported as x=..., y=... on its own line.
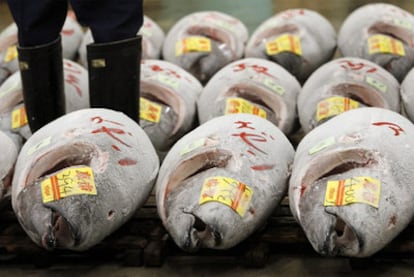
x=220, y=182
x=300, y=40
x=81, y=177
x=168, y=102
x=254, y=86
x=382, y=33
x=203, y=42
x=349, y=190
x=344, y=84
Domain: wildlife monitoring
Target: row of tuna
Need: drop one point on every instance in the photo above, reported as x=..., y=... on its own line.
x=83, y=175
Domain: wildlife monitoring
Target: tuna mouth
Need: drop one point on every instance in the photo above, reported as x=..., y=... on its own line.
x=335, y=163
x=60, y=234
x=343, y=240
x=200, y=235
x=362, y=94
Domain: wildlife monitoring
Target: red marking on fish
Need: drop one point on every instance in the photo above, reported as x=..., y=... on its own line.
x=396, y=128
x=263, y=167
x=126, y=162
x=110, y=132
x=68, y=32
x=302, y=189
x=74, y=81
x=251, y=152
x=99, y=119
x=116, y=148
x=244, y=124
x=249, y=137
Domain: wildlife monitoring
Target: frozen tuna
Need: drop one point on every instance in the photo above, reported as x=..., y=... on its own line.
x=351, y=186
x=204, y=42
x=13, y=118
x=300, y=40
x=80, y=177
x=407, y=95
x=168, y=102
x=254, y=86
x=344, y=84
x=382, y=33
x=8, y=158
x=71, y=35
x=220, y=182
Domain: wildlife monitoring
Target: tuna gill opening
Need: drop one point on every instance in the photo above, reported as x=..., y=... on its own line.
x=367, y=96
x=196, y=164
x=398, y=32
x=65, y=156
x=262, y=97
x=334, y=163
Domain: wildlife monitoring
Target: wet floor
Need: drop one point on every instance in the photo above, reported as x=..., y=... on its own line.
x=252, y=13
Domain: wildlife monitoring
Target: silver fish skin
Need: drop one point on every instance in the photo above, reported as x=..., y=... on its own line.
x=344, y=84
x=7, y=161
x=12, y=112
x=54, y=197
x=351, y=185
x=300, y=40
x=252, y=85
x=168, y=102
x=220, y=182
x=382, y=33
x=205, y=41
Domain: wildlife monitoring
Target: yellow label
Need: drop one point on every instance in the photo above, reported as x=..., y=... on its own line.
x=239, y=105
x=11, y=54
x=322, y=145
x=43, y=143
x=273, y=86
x=72, y=181
x=334, y=106
x=284, y=43
x=168, y=81
x=193, y=146
x=360, y=189
x=377, y=84
x=192, y=44
x=146, y=32
x=149, y=110
x=385, y=44
x=227, y=191
x=19, y=118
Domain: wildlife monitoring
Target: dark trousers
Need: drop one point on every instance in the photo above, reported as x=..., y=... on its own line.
x=40, y=21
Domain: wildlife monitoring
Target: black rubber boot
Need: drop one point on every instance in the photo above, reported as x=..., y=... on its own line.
x=41, y=69
x=114, y=75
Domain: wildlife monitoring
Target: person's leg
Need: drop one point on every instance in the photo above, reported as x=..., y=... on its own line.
x=114, y=57
x=40, y=57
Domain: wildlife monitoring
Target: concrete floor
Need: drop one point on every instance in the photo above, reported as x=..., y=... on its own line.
x=277, y=266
